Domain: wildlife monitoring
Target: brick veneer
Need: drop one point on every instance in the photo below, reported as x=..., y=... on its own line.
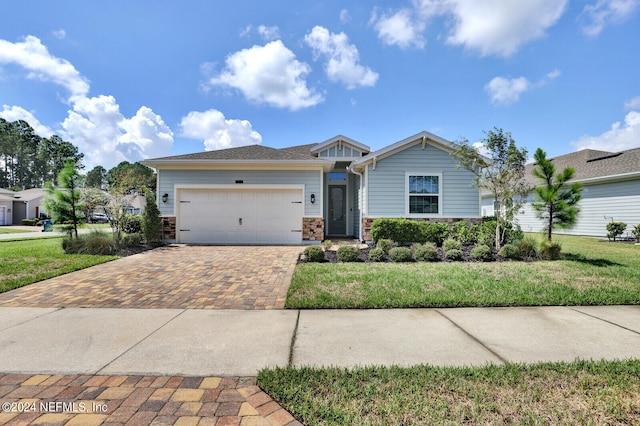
x=168, y=228
x=312, y=229
x=367, y=221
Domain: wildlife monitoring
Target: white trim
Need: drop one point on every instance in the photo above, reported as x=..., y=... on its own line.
x=407, y=195
x=340, y=138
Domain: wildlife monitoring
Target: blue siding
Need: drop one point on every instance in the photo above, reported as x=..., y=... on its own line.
x=387, y=188
x=310, y=178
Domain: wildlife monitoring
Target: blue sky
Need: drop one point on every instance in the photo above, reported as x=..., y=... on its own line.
x=127, y=80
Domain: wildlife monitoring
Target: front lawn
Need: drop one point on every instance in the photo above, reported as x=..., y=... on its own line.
x=582, y=392
x=5, y=230
x=28, y=261
x=592, y=272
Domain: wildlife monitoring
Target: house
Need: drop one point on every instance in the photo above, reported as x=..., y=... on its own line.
x=15, y=206
x=610, y=192
x=304, y=193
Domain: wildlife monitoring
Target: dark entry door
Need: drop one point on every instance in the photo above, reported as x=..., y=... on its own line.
x=337, y=210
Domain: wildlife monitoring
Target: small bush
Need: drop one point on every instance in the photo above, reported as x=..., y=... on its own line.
x=98, y=243
x=72, y=245
x=376, y=255
x=615, y=229
x=451, y=244
x=434, y=233
x=132, y=224
x=550, y=251
x=426, y=253
x=348, y=253
x=314, y=254
x=636, y=233
x=327, y=244
x=131, y=240
x=400, y=254
x=30, y=222
x=510, y=251
x=385, y=244
x=461, y=232
x=482, y=252
x=528, y=248
x=453, y=254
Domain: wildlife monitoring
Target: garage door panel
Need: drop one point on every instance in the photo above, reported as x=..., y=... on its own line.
x=240, y=216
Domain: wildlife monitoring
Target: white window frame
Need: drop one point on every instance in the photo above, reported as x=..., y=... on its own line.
x=407, y=195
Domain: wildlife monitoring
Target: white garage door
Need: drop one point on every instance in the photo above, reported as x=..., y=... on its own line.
x=223, y=216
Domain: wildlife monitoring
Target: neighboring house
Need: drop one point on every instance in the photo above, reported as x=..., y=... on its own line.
x=611, y=192
x=301, y=194
x=15, y=206
x=137, y=205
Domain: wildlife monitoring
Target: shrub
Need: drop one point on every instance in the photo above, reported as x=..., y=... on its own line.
x=98, y=243
x=636, y=232
x=402, y=231
x=451, y=244
x=132, y=224
x=453, y=254
x=348, y=253
x=131, y=240
x=327, y=244
x=461, y=232
x=30, y=222
x=482, y=252
x=400, y=254
x=434, y=233
x=314, y=254
x=426, y=253
x=376, y=255
x=72, y=245
x=615, y=229
x=485, y=233
x=528, y=248
x=550, y=251
x=510, y=251
x=385, y=244
x=151, y=220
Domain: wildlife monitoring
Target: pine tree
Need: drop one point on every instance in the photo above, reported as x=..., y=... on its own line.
x=555, y=199
x=63, y=202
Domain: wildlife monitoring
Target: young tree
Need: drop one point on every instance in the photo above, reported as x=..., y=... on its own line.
x=555, y=199
x=63, y=202
x=92, y=200
x=121, y=195
x=151, y=222
x=501, y=173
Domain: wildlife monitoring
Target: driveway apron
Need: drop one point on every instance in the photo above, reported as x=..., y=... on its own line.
x=172, y=277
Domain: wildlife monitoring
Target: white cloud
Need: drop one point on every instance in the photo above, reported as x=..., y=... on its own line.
x=94, y=124
x=620, y=137
x=345, y=16
x=497, y=27
x=60, y=33
x=15, y=113
x=491, y=27
x=606, y=12
x=401, y=28
x=218, y=132
x=33, y=56
x=632, y=104
x=341, y=58
x=506, y=91
x=269, y=74
x=269, y=33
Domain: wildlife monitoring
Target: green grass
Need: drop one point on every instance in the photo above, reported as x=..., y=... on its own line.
x=578, y=393
x=28, y=261
x=4, y=230
x=592, y=272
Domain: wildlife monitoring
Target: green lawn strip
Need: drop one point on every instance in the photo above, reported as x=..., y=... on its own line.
x=28, y=261
x=592, y=273
x=582, y=392
x=4, y=230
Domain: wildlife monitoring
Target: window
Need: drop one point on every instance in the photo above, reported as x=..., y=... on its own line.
x=423, y=194
x=338, y=176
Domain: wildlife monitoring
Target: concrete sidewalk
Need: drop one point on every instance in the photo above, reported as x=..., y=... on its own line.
x=240, y=343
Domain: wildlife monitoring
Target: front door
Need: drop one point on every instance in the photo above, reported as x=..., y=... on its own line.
x=337, y=210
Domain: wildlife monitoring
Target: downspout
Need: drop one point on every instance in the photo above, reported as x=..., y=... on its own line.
x=360, y=201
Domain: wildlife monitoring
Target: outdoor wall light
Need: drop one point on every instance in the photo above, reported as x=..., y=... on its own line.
x=313, y=198
x=165, y=197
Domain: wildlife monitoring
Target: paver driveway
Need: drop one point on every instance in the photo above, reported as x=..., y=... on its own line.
x=175, y=276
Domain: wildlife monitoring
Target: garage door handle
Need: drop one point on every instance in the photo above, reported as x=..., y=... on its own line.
x=240, y=221
x=296, y=230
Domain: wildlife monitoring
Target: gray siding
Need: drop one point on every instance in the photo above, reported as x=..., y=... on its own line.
x=310, y=178
x=387, y=187
x=600, y=203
